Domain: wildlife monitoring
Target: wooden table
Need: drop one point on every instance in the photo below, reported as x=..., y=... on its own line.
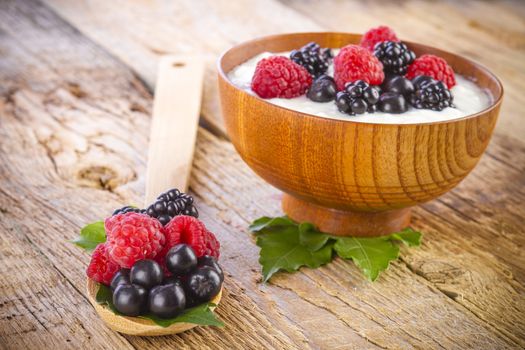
x=75, y=104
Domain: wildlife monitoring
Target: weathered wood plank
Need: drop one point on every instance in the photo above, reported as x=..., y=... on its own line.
x=39, y=306
x=78, y=121
x=487, y=209
x=448, y=261
x=139, y=33
x=71, y=137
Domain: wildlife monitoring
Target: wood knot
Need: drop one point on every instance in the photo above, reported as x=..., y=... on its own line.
x=75, y=90
x=438, y=271
x=99, y=176
x=135, y=107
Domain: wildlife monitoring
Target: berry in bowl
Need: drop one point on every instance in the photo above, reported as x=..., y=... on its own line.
x=356, y=130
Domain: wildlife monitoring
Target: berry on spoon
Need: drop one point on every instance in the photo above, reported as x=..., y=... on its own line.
x=167, y=301
x=121, y=277
x=210, y=261
x=130, y=299
x=181, y=259
x=203, y=284
x=146, y=273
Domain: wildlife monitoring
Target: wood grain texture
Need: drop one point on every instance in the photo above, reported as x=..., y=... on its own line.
x=73, y=132
x=140, y=33
x=447, y=261
x=332, y=166
x=74, y=129
x=346, y=222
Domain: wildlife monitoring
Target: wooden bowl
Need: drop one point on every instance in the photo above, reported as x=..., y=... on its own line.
x=135, y=325
x=346, y=177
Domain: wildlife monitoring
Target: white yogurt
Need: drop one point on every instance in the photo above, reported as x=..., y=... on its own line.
x=468, y=99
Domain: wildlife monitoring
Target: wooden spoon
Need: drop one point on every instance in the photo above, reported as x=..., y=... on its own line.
x=135, y=325
x=176, y=112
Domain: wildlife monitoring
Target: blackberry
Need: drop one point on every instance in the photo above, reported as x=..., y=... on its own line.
x=395, y=56
x=170, y=204
x=128, y=209
x=167, y=205
x=430, y=94
x=313, y=58
x=358, y=97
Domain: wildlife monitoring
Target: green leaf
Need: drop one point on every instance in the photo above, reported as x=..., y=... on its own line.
x=311, y=238
x=265, y=223
x=408, y=236
x=105, y=297
x=286, y=245
x=90, y=236
x=371, y=255
x=283, y=250
x=103, y=294
x=200, y=314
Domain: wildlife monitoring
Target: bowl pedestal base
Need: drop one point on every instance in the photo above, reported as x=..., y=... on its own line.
x=346, y=223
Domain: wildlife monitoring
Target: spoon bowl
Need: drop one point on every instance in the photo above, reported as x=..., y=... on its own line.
x=135, y=325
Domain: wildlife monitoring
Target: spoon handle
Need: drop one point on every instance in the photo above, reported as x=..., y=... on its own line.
x=176, y=110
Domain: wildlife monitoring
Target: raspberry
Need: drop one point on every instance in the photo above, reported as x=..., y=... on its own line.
x=110, y=222
x=173, y=237
x=191, y=231
x=377, y=35
x=357, y=63
x=133, y=237
x=278, y=76
x=212, y=245
x=101, y=268
x=434, y=67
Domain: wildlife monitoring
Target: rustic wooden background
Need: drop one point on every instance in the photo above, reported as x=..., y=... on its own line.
x=76, y=82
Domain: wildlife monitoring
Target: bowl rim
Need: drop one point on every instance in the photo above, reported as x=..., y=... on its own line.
x=495, y=100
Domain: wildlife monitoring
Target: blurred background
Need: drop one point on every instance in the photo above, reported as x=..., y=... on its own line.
x=490, y=32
